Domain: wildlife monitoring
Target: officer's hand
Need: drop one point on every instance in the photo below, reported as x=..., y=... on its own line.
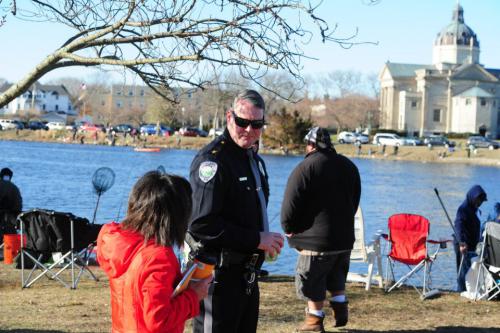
x=271, y=242
x=201, y=287
x=463, y=248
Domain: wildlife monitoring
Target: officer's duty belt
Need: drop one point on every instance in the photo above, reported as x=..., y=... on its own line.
x=229, y=257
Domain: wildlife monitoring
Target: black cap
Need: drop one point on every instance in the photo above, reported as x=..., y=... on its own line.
x=6, y=172
x=319, y=136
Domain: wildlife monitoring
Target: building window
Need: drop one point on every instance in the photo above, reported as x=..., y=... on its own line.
x=118, y=104
x=18, y=106
x=483, y=102
x=467, y=101
x=142, y=92
x=103, y=103
x=130, y=93
x=119, y=93
x=436, y=115
x=43, y=107
x=57, y=107
x=57, y=97
x=69, y=107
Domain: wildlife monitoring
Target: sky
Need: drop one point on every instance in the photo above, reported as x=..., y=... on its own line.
x=404, y=31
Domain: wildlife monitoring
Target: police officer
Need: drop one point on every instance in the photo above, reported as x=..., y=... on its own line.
x=230, y=194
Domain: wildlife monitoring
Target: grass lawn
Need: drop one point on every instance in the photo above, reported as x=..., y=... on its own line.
x=49, y=307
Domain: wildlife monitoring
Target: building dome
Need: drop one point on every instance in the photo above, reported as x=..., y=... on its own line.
x=457, y=32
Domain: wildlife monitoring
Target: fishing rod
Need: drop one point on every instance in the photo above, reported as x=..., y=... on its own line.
x=446, y=212
x=454, y=231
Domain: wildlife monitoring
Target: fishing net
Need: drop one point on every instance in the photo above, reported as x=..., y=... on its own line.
x=103, y=179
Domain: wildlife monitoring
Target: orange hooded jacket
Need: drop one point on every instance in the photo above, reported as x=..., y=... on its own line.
x=142, y=277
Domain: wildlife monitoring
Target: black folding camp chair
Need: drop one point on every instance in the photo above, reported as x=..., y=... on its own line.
x=489, y=261
x=45, y=233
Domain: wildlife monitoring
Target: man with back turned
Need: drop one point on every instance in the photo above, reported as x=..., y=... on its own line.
x=229, y=219
x=320, y=201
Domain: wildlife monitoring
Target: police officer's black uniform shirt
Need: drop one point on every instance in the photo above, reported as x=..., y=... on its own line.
x=226, y=212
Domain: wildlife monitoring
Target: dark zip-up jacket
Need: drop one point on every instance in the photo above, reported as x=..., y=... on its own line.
x=321, y=199
x=467, y=224
x=226, y=209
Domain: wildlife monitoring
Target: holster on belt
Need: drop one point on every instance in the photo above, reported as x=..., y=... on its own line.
x=251, y=273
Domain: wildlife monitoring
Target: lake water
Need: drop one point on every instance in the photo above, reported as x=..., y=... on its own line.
x=58, y=177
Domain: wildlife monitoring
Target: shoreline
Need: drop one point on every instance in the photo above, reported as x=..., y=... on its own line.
x=420, y=154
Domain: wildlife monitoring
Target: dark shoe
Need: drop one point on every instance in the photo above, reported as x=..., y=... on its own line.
x=341, y=313
x=312, y=323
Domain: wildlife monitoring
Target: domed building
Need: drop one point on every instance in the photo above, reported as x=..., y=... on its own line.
x=456, y=94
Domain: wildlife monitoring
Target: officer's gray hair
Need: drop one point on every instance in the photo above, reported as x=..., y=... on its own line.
x=252, y=96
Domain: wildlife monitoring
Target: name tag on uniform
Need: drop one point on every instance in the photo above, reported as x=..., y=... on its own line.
x=243, y=179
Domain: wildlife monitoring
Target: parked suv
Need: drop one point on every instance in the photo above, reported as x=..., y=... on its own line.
x=8, y=124
x=388, y=139
x=122, y=128
x=37, y=125
x=150, y=129
x=438, y=140
x=351, y=137
x=482, y=142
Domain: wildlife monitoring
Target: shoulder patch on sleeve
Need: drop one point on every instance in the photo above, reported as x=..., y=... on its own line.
x=207, y=171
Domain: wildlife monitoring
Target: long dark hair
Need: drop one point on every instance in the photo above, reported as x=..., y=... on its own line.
x=159, y=207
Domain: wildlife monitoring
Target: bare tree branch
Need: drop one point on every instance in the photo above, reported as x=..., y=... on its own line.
x=172, y=44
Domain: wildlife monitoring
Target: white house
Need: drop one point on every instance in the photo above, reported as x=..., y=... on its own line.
x=41, y=98
x=453, y=94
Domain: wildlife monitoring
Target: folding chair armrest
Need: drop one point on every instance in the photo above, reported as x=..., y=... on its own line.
x=442, y=242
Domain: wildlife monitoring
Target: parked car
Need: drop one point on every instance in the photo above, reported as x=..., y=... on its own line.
x=438, y=140
x=37, y=125
x=351, y=137
x=150, y=129
x=20, y=125
x=56, y=126
x=388, y=139
x=8, y=124
x=192, y=131
x=482, y=142
x=88, y=127
x=215, y=131
x=122, y=128
x=412, y=141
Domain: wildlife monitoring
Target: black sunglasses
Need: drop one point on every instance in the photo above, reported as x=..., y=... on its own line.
x=243, y=123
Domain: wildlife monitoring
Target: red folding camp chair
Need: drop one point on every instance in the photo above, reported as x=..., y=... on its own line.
x=408, y=238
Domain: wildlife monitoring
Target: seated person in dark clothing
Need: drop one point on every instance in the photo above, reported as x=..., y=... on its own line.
x=11, y=203
x=467, y=227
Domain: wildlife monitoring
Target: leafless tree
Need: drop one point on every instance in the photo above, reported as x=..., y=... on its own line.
x=341, y=83
x=282, y=90
x=176, y=42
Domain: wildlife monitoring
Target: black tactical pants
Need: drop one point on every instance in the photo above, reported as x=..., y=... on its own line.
x=228, y=307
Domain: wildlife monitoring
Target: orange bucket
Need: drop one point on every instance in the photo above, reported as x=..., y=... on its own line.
x=11, y=247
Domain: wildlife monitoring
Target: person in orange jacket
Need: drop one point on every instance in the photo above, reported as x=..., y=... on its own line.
x=139, y=259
